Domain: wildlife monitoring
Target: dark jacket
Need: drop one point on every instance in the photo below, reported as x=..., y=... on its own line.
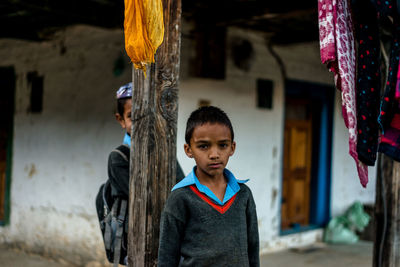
x=118, y=171
x=195, y=233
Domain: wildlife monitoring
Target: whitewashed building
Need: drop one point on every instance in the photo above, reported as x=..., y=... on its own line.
x=63, y=129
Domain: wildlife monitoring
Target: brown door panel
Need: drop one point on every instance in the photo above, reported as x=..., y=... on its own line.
x=296, y=173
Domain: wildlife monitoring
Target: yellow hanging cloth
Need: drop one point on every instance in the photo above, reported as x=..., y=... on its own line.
x=144, y=30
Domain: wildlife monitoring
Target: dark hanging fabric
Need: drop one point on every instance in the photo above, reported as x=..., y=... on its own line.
x=389, y=117
x=388, y=101
x=368, y=80
x=370, y=113
x=397, y=93
x=390, y=141
x=384, y=7
x=387, y=107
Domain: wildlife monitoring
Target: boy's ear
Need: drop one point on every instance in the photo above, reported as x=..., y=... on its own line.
x=120, y=120
x=188, y=150
x=233, y=147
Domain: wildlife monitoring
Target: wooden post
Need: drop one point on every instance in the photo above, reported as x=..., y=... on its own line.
x=153, y=150
x=387, y=214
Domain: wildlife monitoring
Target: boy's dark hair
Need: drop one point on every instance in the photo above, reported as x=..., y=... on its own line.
x=208, y=114
x=120, y=105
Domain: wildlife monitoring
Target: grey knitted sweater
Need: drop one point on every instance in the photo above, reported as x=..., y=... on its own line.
x=197, y=234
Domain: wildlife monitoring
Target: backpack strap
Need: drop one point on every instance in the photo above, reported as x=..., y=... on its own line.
x=120, y=230
x=124, y=151
x=121, y=153
x=108, y=240
x=104, y=194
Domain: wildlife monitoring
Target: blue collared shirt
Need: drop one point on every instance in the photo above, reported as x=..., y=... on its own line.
x=232, y=186
x=127, y=140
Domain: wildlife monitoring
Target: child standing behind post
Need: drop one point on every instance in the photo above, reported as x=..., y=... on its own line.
x=118, y=160
x=210, y=217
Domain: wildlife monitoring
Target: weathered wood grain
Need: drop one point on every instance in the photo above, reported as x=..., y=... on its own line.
x=153, y=151
x=387, y=214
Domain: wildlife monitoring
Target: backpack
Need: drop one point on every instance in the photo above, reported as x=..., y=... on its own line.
x=112, y=213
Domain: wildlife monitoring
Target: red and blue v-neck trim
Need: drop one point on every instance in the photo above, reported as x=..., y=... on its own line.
x=221, y=209
x=231, y=189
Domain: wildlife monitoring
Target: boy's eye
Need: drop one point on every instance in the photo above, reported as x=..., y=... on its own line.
x=223, y=145
x=203, y=146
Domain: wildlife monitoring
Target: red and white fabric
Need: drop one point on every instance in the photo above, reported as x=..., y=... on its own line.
x=337, y=49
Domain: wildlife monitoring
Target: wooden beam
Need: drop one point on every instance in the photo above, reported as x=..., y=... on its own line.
x=153, y=151
x=387, y=214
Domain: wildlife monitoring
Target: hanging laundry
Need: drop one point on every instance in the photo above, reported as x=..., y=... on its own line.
x=385, y=7
x=327, y=20
x=338, y=52
x=397, y=93
x=388, y=8
x=388, y=101
x=389, y=117
x=144, y=30
x=390, y=141
x=368, y=85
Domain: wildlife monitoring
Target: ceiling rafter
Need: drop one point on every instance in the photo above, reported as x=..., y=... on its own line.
x=29, y=19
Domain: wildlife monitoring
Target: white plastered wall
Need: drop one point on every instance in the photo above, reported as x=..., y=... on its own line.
x=59, y=155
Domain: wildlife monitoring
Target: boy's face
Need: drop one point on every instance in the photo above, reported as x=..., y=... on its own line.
x=211, y=146
x=125, y=120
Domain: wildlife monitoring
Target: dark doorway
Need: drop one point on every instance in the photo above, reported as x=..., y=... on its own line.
x=307, y=152
x=7, y=91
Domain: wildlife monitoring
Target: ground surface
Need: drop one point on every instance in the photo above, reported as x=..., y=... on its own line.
x=17, y=258
x=359, y=255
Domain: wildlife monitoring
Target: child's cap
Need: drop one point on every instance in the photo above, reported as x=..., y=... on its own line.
x=124, y=91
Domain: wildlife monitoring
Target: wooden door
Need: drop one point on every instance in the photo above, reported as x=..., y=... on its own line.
x=296, y=174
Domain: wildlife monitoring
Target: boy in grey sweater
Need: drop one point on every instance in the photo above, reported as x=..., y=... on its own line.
x=210, y=217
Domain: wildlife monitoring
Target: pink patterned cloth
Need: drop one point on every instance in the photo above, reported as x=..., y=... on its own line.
x=338, y=52
x=397, y=91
